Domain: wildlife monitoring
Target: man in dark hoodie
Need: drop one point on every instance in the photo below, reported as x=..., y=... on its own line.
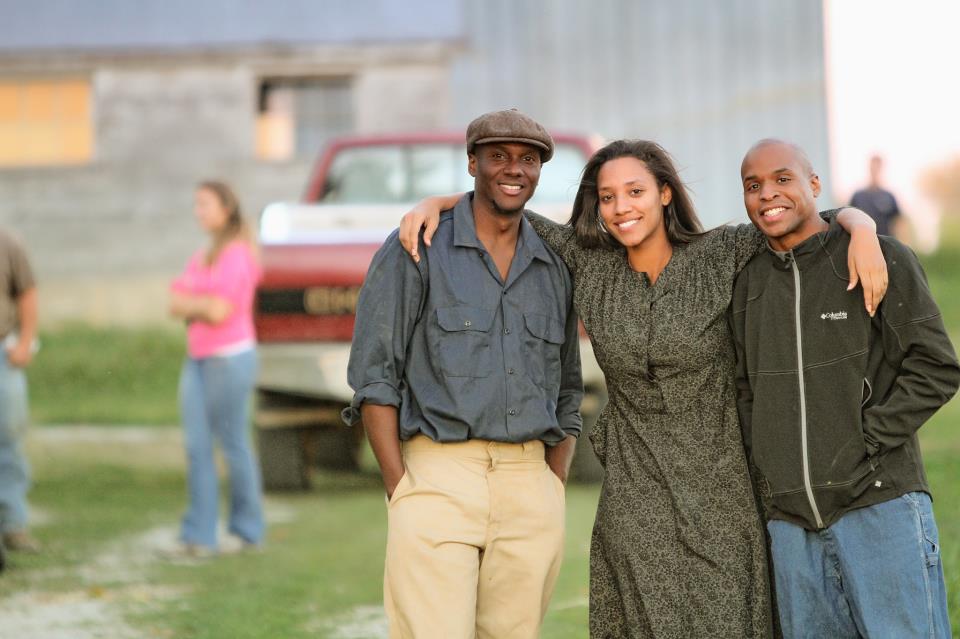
x=830, y=400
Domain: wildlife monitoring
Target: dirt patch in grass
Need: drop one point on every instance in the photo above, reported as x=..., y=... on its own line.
x=107, y=591
x=360, y=622
x=114, y=582
x=69, y=615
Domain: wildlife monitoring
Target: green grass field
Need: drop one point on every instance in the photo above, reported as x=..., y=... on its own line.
x=106, y=376
x=103, y=504
x=320, y=572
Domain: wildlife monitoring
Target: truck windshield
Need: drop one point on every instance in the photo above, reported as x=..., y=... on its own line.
x=405, y=173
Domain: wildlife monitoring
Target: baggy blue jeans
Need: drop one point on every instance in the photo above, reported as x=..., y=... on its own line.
x=214, y=405
x=874, y=573
x=14, y=469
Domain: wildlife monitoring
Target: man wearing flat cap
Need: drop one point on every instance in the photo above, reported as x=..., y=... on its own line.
x=466, y=371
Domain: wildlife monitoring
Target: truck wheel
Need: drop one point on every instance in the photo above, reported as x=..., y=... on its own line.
x=586, y=468
x=297, y=435
x=283, y=459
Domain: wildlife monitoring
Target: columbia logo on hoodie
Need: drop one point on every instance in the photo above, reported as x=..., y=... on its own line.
x=837, y=315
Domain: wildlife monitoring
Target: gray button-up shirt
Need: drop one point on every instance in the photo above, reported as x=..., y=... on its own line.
x=461, y=353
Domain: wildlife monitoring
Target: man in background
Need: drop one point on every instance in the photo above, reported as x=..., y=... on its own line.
x=18, y=332
x=879, y=203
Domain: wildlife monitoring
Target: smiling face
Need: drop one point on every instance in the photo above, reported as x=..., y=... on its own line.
x=779, y=192
x=210, y=211
x=631, y=202
x=505, y=175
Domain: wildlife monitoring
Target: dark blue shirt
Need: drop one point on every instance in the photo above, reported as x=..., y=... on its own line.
x=880, y=205
x=462, y=353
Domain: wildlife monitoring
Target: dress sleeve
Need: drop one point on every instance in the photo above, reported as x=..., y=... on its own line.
x=738, y=243
x=559, y=237
x=830, y=215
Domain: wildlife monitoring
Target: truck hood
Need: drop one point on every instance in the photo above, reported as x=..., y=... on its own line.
x=297, y=223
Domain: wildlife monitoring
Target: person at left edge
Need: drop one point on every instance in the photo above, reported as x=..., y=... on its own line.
x=466, y=369
x=18, y=330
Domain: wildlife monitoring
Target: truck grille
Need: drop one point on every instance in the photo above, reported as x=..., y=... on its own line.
x=315, y=300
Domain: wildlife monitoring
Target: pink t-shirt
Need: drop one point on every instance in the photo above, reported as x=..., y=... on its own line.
x=234, y=277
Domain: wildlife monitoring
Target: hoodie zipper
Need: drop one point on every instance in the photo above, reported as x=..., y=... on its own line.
x=803, y=395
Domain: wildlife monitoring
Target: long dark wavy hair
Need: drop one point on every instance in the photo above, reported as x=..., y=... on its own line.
x=679, y=216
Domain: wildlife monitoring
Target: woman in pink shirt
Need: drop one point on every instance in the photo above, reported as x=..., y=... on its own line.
x=214, y=295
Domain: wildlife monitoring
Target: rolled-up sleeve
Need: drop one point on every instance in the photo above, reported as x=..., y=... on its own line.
x=571, y=376
x=388, y=309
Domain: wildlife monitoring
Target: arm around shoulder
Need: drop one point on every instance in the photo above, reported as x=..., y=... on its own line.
x=741, y=242
x=426, y=216
x=865, y=261
x=561, y=238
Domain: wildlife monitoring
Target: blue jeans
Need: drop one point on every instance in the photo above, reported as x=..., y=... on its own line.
x=14, y=469
x=214, y=405
x=874, y=573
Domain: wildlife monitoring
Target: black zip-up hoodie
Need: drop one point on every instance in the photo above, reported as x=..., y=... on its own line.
x=841, y=435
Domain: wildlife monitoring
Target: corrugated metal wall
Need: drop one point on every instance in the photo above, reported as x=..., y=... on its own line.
x=705, y=78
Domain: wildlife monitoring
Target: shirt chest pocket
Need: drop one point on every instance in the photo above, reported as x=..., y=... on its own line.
x=542, y=341
x=462, y=347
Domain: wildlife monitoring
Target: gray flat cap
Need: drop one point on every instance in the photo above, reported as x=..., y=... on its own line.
x=509, y=126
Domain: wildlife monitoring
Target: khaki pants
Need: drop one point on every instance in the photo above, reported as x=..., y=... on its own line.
x=474, y=541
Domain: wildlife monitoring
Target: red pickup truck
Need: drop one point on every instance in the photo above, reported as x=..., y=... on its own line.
x=315, y=256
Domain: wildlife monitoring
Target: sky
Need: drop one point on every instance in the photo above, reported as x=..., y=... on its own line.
x=893, y=88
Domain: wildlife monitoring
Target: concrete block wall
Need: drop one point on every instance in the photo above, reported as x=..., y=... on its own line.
x=105, y=238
